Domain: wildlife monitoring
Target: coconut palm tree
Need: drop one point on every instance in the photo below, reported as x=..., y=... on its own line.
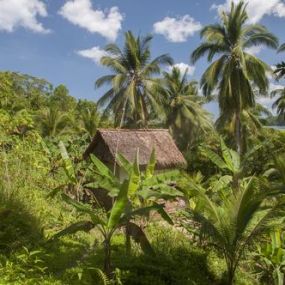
x=185, y=115
x=280, y=67
x=89, y=120
x=129, y=99
x=235, y=72
x=279, y=104
x=52, y=121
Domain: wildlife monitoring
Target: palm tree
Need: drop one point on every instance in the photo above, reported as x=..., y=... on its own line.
x=281, y=48
x=52, y=121
x=251, y=125
x=280, y=70
x=235, y=72
x=279, y=104
x=233, y=223
x=183, y=107
x=90, y=121
x=87, y=120
x=243, y=209
x=280, y=67
x=129, y=99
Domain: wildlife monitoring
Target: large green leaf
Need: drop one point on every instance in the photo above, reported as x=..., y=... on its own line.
x=164, y=177
x=85, y=226
x=144, y=211
x=151, y=165
x=139, y=237
x=235, y=161
x=127, y=189
x=83, y=209
x=119, y=205
x=68, y=167
x=160, y=191
x=124, y=163
x=276, y=239
x=134, y=178
x=216, y=159
x=164, y=214
x=101, y=167
x=113, y=190
x=226, y=153
x=221, y=183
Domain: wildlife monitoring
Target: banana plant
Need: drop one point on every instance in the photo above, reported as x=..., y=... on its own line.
x=152, y=185
x=75, y=177
x=270, y=259
x=230, y=162
x=122, y=213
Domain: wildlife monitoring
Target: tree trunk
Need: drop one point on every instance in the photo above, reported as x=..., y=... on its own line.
x=107, y=256
x=231, y=274
x=231, y=266
x=231, y=278
x=238, y=133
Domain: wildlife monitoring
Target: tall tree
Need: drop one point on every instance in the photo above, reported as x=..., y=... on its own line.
x=21, y=91
x=61, y=99
x=185, y=115
x=279, y=104
x=280, y=67
x=133, y=76
x=235, y=72
x=89, y=121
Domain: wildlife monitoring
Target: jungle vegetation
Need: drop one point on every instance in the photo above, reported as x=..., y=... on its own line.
x=229, y=230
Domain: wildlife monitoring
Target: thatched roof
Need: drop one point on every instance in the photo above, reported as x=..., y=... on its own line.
x=108, y=142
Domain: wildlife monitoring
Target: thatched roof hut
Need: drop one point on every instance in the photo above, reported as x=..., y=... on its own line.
x=108, y=142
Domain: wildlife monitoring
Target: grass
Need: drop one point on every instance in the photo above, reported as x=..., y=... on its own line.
x=29, y=219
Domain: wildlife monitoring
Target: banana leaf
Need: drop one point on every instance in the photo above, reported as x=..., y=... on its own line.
x=85, y=226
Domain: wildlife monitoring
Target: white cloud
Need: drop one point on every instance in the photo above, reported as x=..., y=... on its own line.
x=95, y=54
x=268, y=101
x=257, y=9
x=254, y=50
x=183, y=67
x=177, y=29
x=82, y=14
x=22, y=13
x=279, y=10
x=273, y=86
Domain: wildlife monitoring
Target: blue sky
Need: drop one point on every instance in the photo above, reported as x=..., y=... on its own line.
x=62, y=40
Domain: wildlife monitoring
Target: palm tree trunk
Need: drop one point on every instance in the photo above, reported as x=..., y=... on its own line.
x=145, y=113
x=231, y=278
x=231, y=273
x=238, y=133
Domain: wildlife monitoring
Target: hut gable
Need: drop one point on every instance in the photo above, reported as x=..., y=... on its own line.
x=108, y=142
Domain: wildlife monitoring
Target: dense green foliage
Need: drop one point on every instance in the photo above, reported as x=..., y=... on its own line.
x=65, y=220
